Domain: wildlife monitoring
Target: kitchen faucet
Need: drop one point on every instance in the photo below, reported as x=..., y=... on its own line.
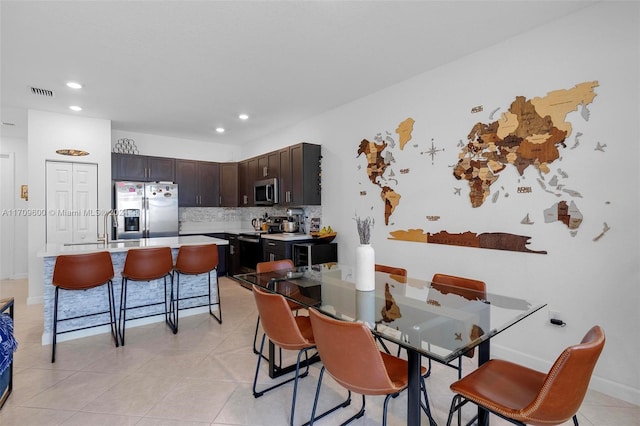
x=104, y=238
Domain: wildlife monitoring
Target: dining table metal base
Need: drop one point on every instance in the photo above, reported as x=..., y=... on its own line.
x=413, y=388
x=277, y=370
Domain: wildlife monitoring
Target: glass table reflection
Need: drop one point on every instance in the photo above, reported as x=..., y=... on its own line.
x=428, y=319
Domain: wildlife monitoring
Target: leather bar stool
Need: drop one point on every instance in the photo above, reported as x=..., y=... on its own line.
x=196, y=260
x=145, y=264
x=83, y=272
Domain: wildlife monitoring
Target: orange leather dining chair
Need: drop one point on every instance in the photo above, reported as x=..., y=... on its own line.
x=350, y=355
x=400, y=274
x=271, y=266
x=468, y=288
x=393, y=270
x=196, y=260
x=525, y=396
x=287, y=332
x=82, y=272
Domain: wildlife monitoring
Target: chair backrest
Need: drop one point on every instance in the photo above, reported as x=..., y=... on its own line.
x=464, y=287
x=399, y=274
x=477, y=289
x=278, y=322
x=147, y=264
x=350, y=355
x=285, y=287
x=567, y=381
x=274, y=265
x=197, y=259
x=82, y=271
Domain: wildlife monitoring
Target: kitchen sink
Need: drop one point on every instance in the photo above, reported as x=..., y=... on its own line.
x=84, y=243
x=112, y=243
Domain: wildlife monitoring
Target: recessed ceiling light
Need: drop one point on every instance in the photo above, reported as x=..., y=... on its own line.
x=243, y=117
x=220, y=129
x=74, y=85
x=75, y=108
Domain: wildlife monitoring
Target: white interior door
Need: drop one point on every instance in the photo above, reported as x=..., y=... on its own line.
x=59, y=201
x=85, y=202
x=72, y=201
x=7, y=220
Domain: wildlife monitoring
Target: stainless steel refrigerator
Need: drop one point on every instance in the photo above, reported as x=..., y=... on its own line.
x=146, y=209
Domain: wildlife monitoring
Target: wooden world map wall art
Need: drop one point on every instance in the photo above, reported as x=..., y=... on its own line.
x=530, y=134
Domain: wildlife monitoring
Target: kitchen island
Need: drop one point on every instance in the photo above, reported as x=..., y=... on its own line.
x=79, y=302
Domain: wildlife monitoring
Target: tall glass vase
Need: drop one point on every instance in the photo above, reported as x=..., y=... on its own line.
x=365, y=268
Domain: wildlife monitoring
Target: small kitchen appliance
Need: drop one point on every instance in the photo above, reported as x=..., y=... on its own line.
x=294, y=221
x=289, y=226
x=257, y=223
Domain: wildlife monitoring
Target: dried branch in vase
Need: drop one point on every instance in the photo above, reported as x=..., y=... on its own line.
x=364, y=228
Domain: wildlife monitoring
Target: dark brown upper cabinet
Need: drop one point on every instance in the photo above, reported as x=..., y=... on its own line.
x=243, y=184
x=300, y=170
x=228, y=184
x=198, y=183
x=142, y=168
x=268, y=166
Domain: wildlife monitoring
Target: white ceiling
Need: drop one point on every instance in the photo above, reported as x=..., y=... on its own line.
x=183, y=68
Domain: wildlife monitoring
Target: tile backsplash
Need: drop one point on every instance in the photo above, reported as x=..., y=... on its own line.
x=237, y=217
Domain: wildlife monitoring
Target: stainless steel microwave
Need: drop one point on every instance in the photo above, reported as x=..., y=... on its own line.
x=265, y=192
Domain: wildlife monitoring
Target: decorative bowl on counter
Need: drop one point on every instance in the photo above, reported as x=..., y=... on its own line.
x=323, y=238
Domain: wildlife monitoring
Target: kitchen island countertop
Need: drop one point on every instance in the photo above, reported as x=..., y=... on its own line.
x=194, y=288
x=123, y=245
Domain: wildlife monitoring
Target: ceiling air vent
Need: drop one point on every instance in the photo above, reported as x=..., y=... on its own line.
x=41, y=92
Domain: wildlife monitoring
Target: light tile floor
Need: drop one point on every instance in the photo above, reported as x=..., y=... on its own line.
x=201, y=376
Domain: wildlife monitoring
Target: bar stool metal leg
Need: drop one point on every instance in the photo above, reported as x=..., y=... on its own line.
x=122, y=318
x=218, y=318
x=55, y=326
x=173, y=311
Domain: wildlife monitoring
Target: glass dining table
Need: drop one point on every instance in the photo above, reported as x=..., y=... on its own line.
x=434, y=320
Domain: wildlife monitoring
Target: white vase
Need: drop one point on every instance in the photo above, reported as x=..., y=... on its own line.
x=366, y=308
x=365, y=268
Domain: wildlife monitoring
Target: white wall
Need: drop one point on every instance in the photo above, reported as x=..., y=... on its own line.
x=13, y=141
x=48, y=132
x=163, y=146
x=17, y=149
x=587, y=282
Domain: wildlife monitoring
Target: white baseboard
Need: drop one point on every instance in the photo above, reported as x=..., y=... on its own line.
x=21, y=276
x=608, y=387
x=38, y=300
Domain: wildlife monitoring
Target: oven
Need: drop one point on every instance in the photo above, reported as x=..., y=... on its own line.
x=250, y=248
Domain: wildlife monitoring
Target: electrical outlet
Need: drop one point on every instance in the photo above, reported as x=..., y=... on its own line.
x=555, y=318
x=555, y=315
